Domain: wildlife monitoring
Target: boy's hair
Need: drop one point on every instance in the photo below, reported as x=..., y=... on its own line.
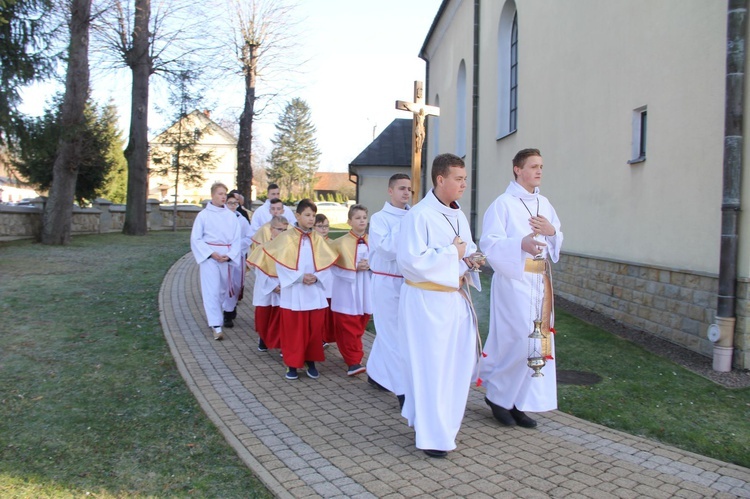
x=279, y=219
x=277, y=201
x=320, y=218
x=306, y=203
x=231, y=195
x=356, y=207
x=216, y=185
x=441, y=165
x=396, y=177
x=521, y=156
x=272, y=187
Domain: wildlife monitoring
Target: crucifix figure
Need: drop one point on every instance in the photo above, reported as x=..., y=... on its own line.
x=420, y=111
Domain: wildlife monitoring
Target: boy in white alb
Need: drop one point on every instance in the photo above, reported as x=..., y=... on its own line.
x=263, y=235
x=262, y=215
x=215, y=240
x=385, y=363
x=237, y=286
x=436, y=320
x=520, y=225
x=351, y=303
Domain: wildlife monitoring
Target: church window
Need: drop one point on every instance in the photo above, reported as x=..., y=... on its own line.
x=507, y=70
x=461, y=111
x=640, y=127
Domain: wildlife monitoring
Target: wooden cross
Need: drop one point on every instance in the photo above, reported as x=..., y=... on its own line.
x=420, y=111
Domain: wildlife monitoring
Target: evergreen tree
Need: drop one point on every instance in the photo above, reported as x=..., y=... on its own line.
x=23, y=56
x=295, y=156
x=101, y=149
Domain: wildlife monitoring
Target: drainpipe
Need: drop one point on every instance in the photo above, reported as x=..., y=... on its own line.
x=731, y=189
x=475, y=124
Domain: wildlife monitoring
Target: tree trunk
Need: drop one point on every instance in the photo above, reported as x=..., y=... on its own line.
x=245, y=140
x=58, y=212
x=136, y=153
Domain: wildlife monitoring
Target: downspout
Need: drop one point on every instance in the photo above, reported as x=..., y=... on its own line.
x=731, y=189
x=475, y=123
x=426, y=145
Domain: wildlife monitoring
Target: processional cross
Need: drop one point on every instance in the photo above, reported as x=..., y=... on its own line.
x=420, y=111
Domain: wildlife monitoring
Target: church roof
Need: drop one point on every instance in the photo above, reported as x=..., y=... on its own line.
x=391, y=148
x=330, y=181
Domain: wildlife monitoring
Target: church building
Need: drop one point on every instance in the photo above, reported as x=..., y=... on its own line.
x=626, y=101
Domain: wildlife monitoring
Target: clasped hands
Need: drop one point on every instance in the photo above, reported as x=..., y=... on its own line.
x=539, y=225
x=472, y=261
x=219, y=258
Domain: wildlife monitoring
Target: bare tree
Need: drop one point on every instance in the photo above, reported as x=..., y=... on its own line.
x=58, y=212
x=166, y=39
x=263, y=38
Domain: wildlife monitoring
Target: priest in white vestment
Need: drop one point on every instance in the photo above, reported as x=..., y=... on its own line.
x=216, y=242
x=385, y=363
x=263, y=214
x=436, y=320
x=518, y=226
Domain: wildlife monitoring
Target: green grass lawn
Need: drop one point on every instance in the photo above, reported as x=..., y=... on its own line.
x=90, y=398
x=642, y=393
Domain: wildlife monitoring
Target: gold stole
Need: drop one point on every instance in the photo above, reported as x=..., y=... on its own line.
x=284, y=249
x=263, y=235
x=346, y=247
x=548, y=302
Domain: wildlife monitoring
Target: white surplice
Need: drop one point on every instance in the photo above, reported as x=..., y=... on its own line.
x=262, y=216
x=504, y=371
x=437, y=327
x=297, y=296
x=385, y=363
x=351, y=289
x=263, y=294
x=239, y=267
x=216, y=229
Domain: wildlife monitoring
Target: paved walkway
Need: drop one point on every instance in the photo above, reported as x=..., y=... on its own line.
x=338, y=437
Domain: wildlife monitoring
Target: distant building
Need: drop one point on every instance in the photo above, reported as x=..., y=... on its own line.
x=626, y=101
x=388, y=154
x=13, y=189
x=213, y=138
x=330, y=184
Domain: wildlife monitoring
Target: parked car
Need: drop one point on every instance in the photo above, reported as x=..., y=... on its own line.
x=336, y=212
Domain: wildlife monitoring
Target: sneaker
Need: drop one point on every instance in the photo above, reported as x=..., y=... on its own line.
x=326, y=345
x=355, y=369
x=291, y=373
x=233, y=313
x=262, y=346
x=218, y=334
x=312, y=372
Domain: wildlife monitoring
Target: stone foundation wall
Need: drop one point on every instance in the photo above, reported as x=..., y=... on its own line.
x=675, y=305
x=21, y=222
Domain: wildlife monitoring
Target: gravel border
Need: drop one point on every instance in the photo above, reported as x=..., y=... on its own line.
x=693, y=361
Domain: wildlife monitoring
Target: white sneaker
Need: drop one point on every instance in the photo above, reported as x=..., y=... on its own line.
x=218, y=334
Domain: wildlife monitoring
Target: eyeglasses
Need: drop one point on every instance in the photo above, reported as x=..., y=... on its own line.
x=323, y=226
x=232, y=203
x=282, y=229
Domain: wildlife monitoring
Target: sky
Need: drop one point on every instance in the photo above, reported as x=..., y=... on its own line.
x=361, y=56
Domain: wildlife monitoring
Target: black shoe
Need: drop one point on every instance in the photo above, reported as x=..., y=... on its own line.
x=401, y=400
x=228, y=319
x=436, y=453
x=233, y=313
x=501, y=413
x=262, y=346
x=522, y=419
x=376, y=384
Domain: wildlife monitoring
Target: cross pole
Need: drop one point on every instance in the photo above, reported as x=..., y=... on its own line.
x=420, y=112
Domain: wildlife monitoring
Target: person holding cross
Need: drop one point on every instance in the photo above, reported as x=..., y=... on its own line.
x=437, y=323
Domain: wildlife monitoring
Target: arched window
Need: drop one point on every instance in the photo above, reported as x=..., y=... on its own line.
x=507, y=70
x=461, y=111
